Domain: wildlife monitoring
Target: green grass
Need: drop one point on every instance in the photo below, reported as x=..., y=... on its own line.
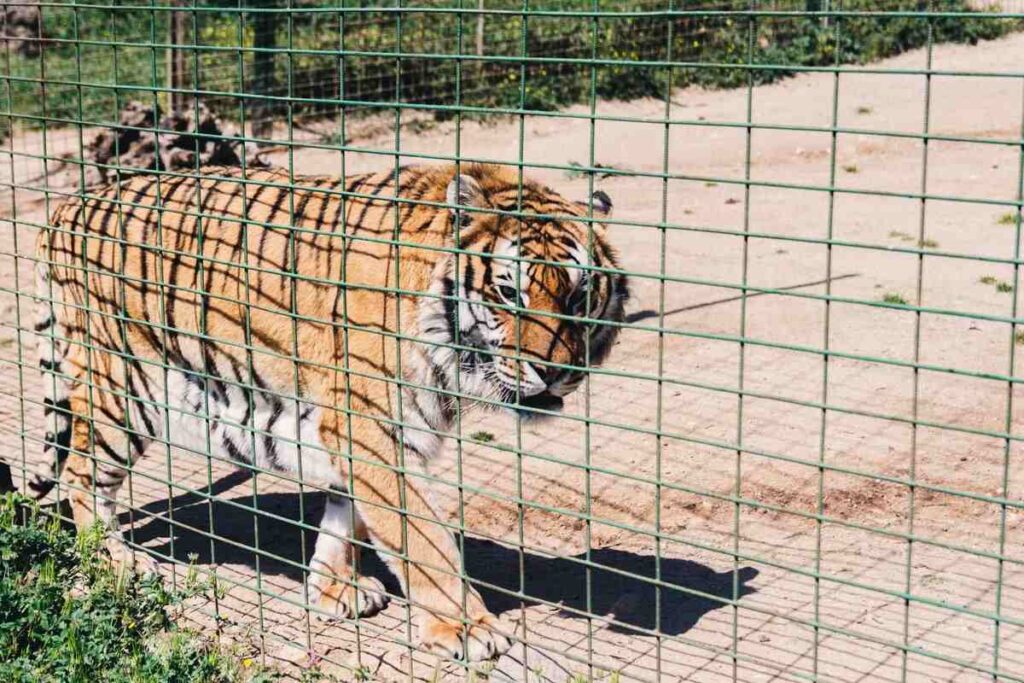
x=66, y=616
x=1019, y=337
x=893, y=298
x=907, y=237
x=1000, y=285
x=1008, y=218
x=482, y=437
x=635, y=44
x=851, y=168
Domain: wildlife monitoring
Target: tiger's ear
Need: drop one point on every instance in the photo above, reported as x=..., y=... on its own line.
x=464, y=191
x=602, y=204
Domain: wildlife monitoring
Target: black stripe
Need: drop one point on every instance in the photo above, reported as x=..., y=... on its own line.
x=269, y=445
x=233, y=452
x=448, y=292
x=62, y=405
x=111, y=453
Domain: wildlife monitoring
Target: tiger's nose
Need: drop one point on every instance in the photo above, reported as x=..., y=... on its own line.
x=532, y=379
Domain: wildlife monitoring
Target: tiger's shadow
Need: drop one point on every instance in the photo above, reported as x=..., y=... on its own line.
x=617, y=577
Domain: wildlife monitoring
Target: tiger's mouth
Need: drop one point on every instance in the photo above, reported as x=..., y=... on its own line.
x=529, y=406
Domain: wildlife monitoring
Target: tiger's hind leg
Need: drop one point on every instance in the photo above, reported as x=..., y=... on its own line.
x=103, y=449
x=336, y=586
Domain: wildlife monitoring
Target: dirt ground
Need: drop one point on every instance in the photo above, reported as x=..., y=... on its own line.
x=749, y=602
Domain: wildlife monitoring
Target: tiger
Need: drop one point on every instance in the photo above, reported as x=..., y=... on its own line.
x=328, y=328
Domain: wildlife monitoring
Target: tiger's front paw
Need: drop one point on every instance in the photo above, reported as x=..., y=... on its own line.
x=125, y=560
x=344, y=600
x=484, y=639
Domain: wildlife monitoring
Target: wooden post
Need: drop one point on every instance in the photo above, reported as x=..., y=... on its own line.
x=177, y=30
x=480, y=30
x=264, y=38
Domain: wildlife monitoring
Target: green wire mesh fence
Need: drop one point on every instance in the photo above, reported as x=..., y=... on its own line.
x=798, y=460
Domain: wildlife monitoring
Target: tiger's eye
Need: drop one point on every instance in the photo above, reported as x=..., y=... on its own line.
x=510, y=295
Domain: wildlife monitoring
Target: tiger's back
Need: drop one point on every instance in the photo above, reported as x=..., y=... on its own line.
x=197, y=293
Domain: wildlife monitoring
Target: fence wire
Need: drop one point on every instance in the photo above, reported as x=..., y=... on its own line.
x=800, y=460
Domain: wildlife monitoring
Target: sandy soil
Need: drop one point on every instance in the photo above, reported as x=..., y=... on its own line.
x=739, y=538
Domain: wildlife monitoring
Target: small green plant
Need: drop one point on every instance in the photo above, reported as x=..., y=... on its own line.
x=864, y=110
x=65, y=615
x=1018, y=337
x=851, y=168
x=482, y=437
x=1008, y=218
x=900, y=235
x=710, y=183
x=894, y=298
x=928, y=244
x=1000, y=285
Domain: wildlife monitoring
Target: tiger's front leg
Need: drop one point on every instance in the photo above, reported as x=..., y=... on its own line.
x=335, y=584
x=451, y=617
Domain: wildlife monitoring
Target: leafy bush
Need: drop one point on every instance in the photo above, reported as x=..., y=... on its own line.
x=65, y=616
x=350, y=55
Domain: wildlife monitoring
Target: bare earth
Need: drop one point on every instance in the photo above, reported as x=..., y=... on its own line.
x=752, y=618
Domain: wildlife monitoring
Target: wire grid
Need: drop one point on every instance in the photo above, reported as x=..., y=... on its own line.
x=713, y=505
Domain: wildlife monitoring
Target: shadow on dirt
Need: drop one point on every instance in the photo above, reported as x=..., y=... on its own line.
x=619, y=579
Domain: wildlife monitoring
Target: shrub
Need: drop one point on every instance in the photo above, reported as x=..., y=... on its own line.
x=65, y=616
x=717, y=51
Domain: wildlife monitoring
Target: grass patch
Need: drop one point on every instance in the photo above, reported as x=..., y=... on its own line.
x=851, y=168
x=1019, y=337
x=1000, y=285
x=1008, y=218
x=482, y=437
x=907, y=237
x=66, y=616
x=894, y=298
x=864, y=110
x=633, y=45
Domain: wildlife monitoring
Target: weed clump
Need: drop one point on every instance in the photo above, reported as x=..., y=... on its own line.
x=65, y=615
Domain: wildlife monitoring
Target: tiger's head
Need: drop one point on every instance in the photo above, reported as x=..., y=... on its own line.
x=526, y=298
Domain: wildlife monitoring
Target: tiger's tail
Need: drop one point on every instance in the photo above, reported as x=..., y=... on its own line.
x=53, y=349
